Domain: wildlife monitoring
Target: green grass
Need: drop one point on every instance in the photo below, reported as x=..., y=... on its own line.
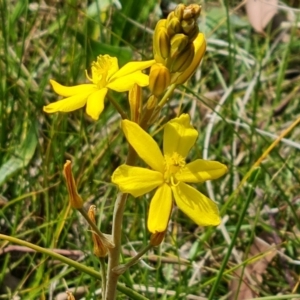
x=243, y=97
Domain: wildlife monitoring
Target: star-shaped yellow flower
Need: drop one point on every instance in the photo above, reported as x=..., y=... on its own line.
x=105, y=75
x=169, y=174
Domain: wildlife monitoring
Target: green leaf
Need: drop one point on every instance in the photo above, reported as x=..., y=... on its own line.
x=22, y=156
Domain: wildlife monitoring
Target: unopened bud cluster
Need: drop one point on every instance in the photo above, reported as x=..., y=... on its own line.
x=173, y=46
x=174, y=36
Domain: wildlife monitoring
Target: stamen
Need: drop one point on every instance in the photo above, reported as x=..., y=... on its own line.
x=173, y=164
x=100, y=69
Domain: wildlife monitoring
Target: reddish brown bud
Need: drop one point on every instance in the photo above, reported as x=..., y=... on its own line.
x=75, y=200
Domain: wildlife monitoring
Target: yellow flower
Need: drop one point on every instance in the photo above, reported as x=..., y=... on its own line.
x=105, y=75
x=169, y=174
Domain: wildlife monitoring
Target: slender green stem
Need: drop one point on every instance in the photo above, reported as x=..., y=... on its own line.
x=112, y=277
x=120, y=269
x=161, y=103
x=118, y=107
x=166, y=96
x=151, y=114
x=114, y=257
x=103, y=275
x=78, y=266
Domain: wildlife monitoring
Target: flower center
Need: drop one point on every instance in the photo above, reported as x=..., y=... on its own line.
x=173, y=164
x=100, y=71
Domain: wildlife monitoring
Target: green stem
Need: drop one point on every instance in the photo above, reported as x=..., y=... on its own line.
x=117, y=107
x=120, y=269
x=151, y=114
x=78, y=266
x=114, y=257
x=112, y=277
x=103, y=275
x=166, y=96
x=161, y=103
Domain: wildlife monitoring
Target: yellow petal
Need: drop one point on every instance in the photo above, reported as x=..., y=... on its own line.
x=132, y=67
x=201, y=170
x=179, y=136
x=95, y=103
x=126, y=83
x=144, y=145
x=202, y=210
x=68, y=104
x=67, y=91
x=160, y=209
x=136, y=181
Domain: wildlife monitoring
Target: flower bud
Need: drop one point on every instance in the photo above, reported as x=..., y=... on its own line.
x=178, y=12
x=192, y=11
x=74, y=198
x=156, y=238
x=152, y=102
x=193, y=33
x=200, y=46
x=170, y=16
x=178, y=44
x=183, y=60
x=163, y=43
x=100, y=250
x=161, y=40
x=159, y=79
x=188, y=25
x=135, y=103
x=173, y=27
